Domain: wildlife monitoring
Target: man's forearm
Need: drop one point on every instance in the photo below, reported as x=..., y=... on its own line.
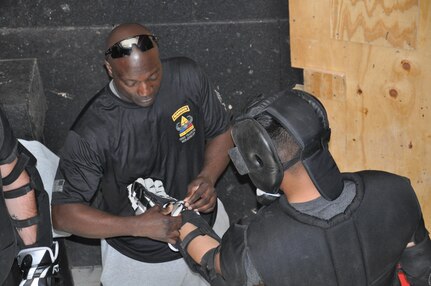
x=85, y=221
x=22, y=207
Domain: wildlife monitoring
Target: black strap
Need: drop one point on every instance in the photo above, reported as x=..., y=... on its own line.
x=17, y=170
x=208, y=264
x=21, y=191
x=23, y=223
x=189, y=237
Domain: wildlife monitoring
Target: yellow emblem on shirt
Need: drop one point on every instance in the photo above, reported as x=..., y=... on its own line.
x=185, y=127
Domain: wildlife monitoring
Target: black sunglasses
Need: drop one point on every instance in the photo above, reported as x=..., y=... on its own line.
x=124, y=47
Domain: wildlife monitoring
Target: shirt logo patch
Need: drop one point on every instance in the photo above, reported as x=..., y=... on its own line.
x=185, y=127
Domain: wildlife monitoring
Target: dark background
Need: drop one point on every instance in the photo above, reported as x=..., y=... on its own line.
x=243, y=45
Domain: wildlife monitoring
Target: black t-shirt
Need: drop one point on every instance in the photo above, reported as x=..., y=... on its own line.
x=8, y=246
x=114, y=142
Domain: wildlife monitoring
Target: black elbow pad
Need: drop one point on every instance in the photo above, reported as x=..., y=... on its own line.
x=416, y=261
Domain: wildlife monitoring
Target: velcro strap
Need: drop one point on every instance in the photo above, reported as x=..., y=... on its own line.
x=23, y=223
x=21, y=191
x=17, y=170
x=189, y=237
x=207, y=262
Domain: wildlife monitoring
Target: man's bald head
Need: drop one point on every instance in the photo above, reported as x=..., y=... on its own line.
x=124, y=31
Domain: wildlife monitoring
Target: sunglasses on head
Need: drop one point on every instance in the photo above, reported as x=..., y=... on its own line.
x=124, y=47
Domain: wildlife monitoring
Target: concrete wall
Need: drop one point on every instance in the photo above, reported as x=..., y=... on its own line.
x=243, y=45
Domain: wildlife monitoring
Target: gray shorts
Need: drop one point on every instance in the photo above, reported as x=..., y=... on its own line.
x=118, y=269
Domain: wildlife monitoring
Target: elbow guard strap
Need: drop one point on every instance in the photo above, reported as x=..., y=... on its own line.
x=203, y=227
x=23, y=223
x=207, y=264
x=17, y=170
x=21, y=191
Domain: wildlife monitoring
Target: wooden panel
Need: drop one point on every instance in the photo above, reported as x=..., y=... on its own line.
x=382, y=108
x=331, y=90
x=376, y=22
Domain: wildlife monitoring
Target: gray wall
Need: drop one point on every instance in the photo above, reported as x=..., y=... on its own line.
x=242, y=44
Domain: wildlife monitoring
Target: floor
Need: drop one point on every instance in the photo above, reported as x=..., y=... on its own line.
x=86, y=275
x=80, y=264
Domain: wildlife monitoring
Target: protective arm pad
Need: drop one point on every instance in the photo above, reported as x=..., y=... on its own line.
x=43, y=217
x=206, y=267
x=38, y=265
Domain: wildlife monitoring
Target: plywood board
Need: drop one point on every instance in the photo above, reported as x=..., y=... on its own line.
x=376, y=22
x=381, y=119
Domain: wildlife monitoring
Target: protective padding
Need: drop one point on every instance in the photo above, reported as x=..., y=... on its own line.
x=416, y=260
x=304, y=117
x=43, y=218
x=258, y=154
x=295, y=113
x=206, y=268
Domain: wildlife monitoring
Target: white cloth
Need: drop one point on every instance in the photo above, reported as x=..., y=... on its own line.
x=118, y=269
x=47, y=164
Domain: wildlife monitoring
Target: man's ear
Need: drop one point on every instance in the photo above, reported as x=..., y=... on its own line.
x=108, y=68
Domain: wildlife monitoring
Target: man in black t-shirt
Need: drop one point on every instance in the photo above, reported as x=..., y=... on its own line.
x=158, y=120
x=25, y=222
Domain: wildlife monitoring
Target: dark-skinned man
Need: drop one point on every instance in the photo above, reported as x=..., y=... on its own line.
x=159, y=121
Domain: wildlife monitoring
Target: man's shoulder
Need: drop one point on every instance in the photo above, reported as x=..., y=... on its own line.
x=379, y=175
x=93, y=117
x=180, y=63
x=179, y=60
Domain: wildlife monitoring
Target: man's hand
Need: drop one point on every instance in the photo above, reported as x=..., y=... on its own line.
x=156, y=224
x=201, y=195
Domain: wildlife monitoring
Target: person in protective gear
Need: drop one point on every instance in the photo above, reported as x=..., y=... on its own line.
x=323, y=227
x=26, y=243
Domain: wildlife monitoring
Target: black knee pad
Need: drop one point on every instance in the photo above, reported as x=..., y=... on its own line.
x=416, y=260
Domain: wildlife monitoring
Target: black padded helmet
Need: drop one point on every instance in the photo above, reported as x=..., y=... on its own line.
x=305, y=118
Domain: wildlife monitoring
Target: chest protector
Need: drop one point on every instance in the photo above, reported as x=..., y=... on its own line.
x=358, y=247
